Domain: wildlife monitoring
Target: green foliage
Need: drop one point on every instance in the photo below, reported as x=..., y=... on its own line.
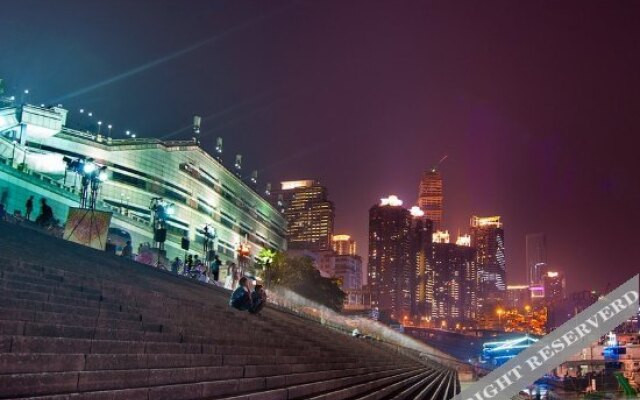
x=299, y=275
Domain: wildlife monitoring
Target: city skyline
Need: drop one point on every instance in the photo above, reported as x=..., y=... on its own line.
x=545, y=144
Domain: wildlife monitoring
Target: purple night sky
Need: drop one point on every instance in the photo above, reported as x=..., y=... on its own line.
x=536, y=106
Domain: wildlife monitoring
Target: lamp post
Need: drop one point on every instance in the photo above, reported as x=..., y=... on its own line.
x=13, y=154
x=209, y=236
x=109, y=127
x=99, y=126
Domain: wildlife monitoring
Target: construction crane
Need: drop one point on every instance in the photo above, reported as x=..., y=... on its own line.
x=435, y=167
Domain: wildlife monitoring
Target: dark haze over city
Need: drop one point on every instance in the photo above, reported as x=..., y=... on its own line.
x=536, y=105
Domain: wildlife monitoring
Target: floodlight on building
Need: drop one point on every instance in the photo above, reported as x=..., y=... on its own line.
x=88, y=167
x=392, y=201
x=90, y=114
x=440, y=237
x=170, y=209
x=552, y=274
x=103, y=176
x=26, y=91
x=416, y=212
x=82, y=111
x=197, y=121
x=464, y=240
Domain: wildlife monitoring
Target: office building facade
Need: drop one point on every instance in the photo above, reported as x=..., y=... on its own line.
x=431, y=197
x=308, y=212
x=391, y=267
x=536, y=253
x=487, y=238
x=34, y=142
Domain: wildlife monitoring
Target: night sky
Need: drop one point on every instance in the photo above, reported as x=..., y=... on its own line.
x=538, y=108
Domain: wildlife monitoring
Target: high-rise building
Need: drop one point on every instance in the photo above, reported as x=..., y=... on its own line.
x=455, y=282
x=430, y=197
x=536, y=257
x=308, y=212
x=554, y=286
x=391, y=267
x=421, y=237
x=518, y=296
x=348, y=270
x=487, y=237
x=344, y=245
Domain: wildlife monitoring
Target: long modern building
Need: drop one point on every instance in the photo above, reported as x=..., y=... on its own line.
x=308, y=212
x=391, y=267
x=423, y=280
x=487, y=237
x=431, y=197
x=36, y=146
x=536, y=253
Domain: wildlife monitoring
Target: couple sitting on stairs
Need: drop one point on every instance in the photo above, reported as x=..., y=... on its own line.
x=243, y=299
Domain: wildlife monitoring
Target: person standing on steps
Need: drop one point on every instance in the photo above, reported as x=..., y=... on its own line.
x=45, y=218
x=28, y=208
x=175, y=265
x=215, y=268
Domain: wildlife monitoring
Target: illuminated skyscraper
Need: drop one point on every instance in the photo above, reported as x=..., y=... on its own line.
x=554, y=286
x=536, y=257
x=487, y=237
x=391, y=267
x=454, y=282
x=309, y=214
x=344, y=245
x=421, y=237
x=430, y=197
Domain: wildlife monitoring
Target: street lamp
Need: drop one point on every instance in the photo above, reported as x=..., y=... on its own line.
x=208, y=245
x=128, y=133
x=109, y=127
x=92, y=174
x=13, y=155
x=500, y=311
x=99, y=126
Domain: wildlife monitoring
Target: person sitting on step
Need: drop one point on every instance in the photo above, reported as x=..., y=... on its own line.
x=241, y=298
x=258, y=298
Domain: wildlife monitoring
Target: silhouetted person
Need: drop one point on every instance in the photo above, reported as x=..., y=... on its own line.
x=127, y=250
x=215, y=268
x=29, y=208
x=3, y=213
x=188, y=265
x=241, y=298
x=46, y=214
x=175, y=265
x=258, y=299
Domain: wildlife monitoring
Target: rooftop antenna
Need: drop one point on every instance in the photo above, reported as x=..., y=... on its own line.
x=435, y=167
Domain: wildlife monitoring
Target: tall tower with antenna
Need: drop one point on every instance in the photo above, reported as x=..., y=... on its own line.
x=430, y=195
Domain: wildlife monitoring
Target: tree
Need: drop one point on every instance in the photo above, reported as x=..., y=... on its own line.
x=299, y=275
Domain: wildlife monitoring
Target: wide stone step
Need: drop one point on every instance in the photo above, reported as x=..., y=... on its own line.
x=378, y=391
x=373, y=389
x=182, y=383
x=410, y=390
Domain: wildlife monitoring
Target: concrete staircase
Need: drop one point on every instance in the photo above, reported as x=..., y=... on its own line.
x=81, y=324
